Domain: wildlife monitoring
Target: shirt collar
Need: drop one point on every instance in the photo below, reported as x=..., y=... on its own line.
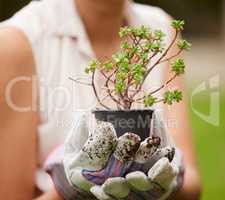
x=71, y=24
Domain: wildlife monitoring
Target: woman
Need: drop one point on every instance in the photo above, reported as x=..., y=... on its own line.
x=54, y=39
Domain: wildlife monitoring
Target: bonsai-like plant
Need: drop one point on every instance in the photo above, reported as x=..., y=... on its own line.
x=126, y=71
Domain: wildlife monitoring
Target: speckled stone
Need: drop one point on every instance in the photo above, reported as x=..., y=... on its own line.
x=127, y=146
x=101, y=143
x=147, y=149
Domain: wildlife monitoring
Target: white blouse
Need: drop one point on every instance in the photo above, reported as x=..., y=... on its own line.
x=61, y=49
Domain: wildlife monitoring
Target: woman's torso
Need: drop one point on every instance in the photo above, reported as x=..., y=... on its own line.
x=61, y=50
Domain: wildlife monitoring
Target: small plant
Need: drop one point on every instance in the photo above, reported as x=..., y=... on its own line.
x=126, y=71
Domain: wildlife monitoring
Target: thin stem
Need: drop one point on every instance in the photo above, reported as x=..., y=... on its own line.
x=111, y=88
x=105, y=76
x=105, y=97
x=95, y=91
x=174, y=56
x=164, y=85
x=80, y=82
x=109, y=92
x=161, y=87
x=156, y=63
x=160, y=100
x=162, y=56
x=153, y=55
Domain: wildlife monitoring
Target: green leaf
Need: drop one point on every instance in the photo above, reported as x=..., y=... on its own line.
x=178, y=67
x=172, y=96
x=123, y=67
x=142, y=32
x=125, y=31
x=92, y=66
x=148, y=46
x=137, y=67
x=138, y=78
x=108, y=65
x=144, y=56
x=157, y=47
x=159, y=35
x=87, y=71
x=149, y=100
x=134, y=50
x=178, y=96
x=168, y=97
x=125, y=45
x=121, y=76
x=138, y=72
x=120, y=86
x=121, y=57
x=184, y=45
x=178, y=24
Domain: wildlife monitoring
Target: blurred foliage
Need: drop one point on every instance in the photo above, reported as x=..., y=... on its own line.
x=203, y=17
x=9, y=7
x=210, y=145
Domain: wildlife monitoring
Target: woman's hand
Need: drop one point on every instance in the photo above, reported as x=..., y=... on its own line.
x=159, y=182
x=98, y=163
x=146, y=182
x=155, y=172
x=91, y=158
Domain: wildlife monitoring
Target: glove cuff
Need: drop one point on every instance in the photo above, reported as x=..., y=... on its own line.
x=62, y=186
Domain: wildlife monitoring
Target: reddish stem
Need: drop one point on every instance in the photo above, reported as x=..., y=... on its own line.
x=108, y=90
x=156, y=63
x=95, y=91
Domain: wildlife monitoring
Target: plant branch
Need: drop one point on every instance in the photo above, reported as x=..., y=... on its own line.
x=156, y=63
x=174, y=56
x=105, y=97
x=95, y=91
x=164, y=85
x=162, y=56
x=105, y=76
x=161, y=87
x=109, y=92
x=160, y=100
x=80, y=82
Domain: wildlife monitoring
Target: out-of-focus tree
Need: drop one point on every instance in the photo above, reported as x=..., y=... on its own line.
x=203, y=17
x=9, y=7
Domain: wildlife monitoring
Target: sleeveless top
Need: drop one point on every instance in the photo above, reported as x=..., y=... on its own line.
x=61, y=49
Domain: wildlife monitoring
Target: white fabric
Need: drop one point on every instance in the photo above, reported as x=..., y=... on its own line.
x=75, y=159
x=61, y=49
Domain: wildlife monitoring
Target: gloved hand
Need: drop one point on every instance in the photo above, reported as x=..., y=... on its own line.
x=54, y=163
x=90, y=158
x=90, y=161
x=157, y=169
x=100, y=157
x=157, y=183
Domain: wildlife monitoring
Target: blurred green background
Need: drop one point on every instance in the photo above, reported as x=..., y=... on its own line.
x=206, y=29
x=210, y=145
